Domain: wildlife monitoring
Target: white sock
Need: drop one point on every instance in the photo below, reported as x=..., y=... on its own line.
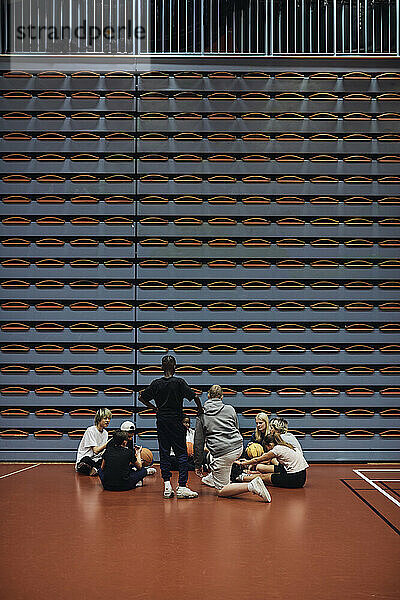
x=167, y=485
x=249, y=486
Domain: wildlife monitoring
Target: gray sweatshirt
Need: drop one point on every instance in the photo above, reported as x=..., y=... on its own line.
x=218, y=428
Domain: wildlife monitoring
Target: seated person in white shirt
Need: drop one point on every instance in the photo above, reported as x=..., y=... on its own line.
x=289, y=473
x=93, y=444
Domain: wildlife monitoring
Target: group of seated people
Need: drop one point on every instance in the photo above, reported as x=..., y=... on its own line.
x=116, y=460
x=215, y=451
x=275, y=454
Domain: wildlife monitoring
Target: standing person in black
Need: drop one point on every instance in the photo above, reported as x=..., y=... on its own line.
x=168, y=393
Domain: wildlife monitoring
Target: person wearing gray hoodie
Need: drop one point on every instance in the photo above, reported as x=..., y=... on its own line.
x=218, y=429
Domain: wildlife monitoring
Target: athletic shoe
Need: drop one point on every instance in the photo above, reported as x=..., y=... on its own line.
x=94, y=472
x=208, y=480
x=151, y=470
x=256, y=486
x=83, y=468
x=185, y=492
x=169, y=493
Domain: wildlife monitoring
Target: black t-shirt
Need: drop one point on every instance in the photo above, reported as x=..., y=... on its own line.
x=168, y=394
x=117, y=466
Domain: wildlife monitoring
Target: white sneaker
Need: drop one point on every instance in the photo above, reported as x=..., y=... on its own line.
x=208, y=480
x=256, y=486
x=185, y=492
x=151, y=470
x=168, y=491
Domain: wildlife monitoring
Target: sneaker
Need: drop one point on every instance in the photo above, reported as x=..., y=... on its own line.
x=208, y=480
x=83, y=468
x=256, y=486
x=151, y=471
x=94, y=472
x=169, y=492
x=185, y=492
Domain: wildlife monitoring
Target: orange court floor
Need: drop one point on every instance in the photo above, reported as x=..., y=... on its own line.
x=63, y=537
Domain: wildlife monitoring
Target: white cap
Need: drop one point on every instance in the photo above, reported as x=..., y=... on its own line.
x=128, y=426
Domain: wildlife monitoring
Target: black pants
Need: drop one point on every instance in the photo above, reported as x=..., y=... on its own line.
x=172, y=434
x=175, y=465
x=86, y=464
x=130, y=484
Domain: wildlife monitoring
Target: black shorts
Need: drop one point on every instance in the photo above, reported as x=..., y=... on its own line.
x=281, y=478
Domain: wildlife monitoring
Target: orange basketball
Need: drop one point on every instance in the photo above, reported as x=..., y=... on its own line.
x=189, y=447
x=254, y=450
x=147, y=457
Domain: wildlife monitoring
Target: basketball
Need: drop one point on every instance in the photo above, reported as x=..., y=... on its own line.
x=147, y=457
x=253, y=450
x=189, y=447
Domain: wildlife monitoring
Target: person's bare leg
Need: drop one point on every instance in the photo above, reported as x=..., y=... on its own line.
x=249, y=476
x=266, y=477
x=233, y=489
x=263, y=468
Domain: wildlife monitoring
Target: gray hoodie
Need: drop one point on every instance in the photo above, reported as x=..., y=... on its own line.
x=218, y=428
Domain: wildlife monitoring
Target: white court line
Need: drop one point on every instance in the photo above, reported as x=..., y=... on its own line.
x=20, y=471
x=377, y=487
x=380, y=470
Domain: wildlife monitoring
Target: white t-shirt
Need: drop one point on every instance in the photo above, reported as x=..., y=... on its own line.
x=190, y=436
x=291, y=439
x=189, y=439
x=91, y=438
x=292, y=460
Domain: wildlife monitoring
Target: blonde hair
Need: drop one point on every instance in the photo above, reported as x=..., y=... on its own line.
x=215, y=391
x=101, y=414
x=280, y=425
x=259, y=436
x=275, y=438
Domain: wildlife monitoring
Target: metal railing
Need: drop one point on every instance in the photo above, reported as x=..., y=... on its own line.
x=201, y=27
